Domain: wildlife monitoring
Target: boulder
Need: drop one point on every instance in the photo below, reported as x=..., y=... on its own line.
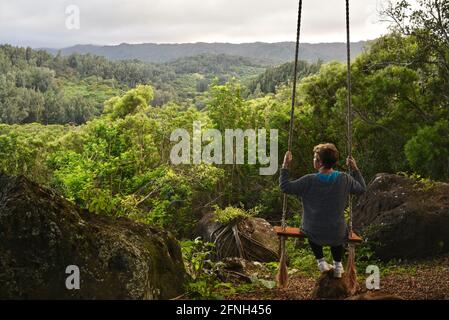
x=253, y=239
x=328, y=287
x=42, y=234
x=404, y=218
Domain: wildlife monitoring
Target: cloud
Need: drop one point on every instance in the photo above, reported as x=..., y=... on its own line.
x=41, y=23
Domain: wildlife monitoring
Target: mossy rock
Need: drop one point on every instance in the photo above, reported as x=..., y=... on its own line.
x=405, y=220
x=42, y=233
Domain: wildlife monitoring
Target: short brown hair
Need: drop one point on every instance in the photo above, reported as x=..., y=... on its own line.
x=328, y=153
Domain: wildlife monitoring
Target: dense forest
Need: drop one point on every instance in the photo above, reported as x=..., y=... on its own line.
x=39, y=87
x=98, y=131
x=273, y=77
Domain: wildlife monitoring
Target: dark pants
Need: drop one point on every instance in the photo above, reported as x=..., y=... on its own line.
x=337, y=252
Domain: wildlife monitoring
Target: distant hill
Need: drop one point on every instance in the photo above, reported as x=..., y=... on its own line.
x=268, y=53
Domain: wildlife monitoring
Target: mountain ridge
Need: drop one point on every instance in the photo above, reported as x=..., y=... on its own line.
x=269, y=53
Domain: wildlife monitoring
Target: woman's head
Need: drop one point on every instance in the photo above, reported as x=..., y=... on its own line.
x=325, y=155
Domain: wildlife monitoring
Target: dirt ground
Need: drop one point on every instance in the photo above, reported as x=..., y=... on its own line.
x=416, y=281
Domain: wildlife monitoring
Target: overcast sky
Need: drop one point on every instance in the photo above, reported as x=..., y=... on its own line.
x=42, y=23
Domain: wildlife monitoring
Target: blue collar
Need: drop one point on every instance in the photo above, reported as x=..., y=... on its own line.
x=328, y=177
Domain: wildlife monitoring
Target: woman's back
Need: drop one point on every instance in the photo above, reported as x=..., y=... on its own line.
x=324, y=198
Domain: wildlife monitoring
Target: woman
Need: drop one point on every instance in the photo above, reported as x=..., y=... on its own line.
x=324, y=196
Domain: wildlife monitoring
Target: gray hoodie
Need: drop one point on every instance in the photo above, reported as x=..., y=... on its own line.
x=324, y=198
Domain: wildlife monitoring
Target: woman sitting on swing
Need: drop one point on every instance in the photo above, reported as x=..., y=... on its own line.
x=324, y=196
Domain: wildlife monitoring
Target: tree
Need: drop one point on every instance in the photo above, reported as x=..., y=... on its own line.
x=428, y=24
x=135, y=100
x=42, y=79
x=428, y=151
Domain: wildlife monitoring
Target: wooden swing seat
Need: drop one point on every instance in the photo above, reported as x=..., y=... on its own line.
x=297, y=233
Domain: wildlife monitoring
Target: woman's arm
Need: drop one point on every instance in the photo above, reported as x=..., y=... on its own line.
x=357, y=184
x=298, y=187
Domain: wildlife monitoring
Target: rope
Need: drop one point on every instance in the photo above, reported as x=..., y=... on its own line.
x=292, y=111
x=282, y=276
x=349, y=102
x=351, y=269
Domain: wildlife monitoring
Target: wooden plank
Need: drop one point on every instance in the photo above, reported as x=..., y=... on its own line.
x=354, y=238
x=296, y=233
x=289, y=232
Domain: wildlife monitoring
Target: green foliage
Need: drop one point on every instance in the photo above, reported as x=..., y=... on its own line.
x=112, y=156
x=231, y=214
x=421, y=182
x=38, y=87
x=275, y=77
x=394, y=95
x=117, y=164
x=204, y=282
x=24, y=149
x=224, y=100
x=197, y=256
x=428, y=150
x=133, y=101
x=93, y=88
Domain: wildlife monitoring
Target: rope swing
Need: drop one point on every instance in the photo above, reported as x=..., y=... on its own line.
x=283, y=231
